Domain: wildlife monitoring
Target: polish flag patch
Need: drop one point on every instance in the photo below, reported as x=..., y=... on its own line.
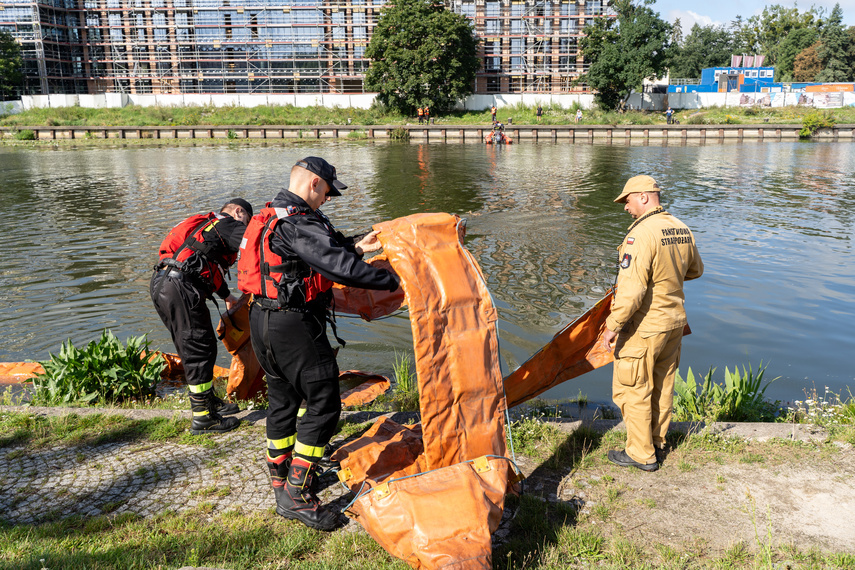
x=630, y=241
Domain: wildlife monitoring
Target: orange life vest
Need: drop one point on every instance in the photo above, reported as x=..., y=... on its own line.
x=188, y=238
x=264, y=273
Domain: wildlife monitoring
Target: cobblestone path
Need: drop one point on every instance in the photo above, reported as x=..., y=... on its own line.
x=138, y=477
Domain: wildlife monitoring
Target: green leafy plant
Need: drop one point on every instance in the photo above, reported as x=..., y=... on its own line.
x=231, y=134
x=103, y=371
x=25, y=135
x=739, y=399
x=815, y=120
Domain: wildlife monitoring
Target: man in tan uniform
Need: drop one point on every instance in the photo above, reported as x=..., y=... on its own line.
x=647, y=320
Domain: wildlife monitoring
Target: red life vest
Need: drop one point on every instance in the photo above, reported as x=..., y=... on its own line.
x=188, y=238
x=265, y=273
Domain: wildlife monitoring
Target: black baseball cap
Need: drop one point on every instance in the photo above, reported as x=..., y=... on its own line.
x=240, y=202
x=325, y=170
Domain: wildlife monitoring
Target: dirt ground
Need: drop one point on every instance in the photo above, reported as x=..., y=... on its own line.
x=773, y=485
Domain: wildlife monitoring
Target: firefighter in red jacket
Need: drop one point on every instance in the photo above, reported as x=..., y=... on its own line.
x=194, y=259
x=290, y=258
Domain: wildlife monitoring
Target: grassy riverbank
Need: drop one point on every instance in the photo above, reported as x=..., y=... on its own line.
x=287, y=115
x=718, y=502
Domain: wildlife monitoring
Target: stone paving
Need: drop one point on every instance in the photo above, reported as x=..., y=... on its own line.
x=144, y=478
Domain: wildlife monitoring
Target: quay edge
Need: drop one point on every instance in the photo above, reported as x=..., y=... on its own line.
x=443, y=133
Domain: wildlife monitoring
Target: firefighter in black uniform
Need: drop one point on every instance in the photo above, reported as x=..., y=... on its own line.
x=194, y=258
x=289, y=260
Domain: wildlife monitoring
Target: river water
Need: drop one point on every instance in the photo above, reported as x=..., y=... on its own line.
x=773, y=221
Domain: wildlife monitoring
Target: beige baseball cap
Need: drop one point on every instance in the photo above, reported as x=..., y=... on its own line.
x=642, y=183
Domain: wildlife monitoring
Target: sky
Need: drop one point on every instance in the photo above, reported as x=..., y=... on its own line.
x=722, y=12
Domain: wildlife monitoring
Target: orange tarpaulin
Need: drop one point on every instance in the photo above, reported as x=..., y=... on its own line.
x=432, y=494
x=435, y=492
x=246, y=378
x=572, y=352
x=368, y=303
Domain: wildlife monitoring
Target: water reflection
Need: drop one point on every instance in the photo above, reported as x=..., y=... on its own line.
x=772, y=220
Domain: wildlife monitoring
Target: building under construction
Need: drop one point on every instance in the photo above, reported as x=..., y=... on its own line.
x=274, y=46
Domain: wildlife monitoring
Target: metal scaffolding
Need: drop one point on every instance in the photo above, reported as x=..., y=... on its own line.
x=273, y=46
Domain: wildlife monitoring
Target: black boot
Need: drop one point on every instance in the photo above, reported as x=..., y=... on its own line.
x=206, y=419
x=279, y=467
x=222, y=407
x=296, y=499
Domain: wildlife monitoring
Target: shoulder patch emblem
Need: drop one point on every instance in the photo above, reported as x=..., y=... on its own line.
x=627, y=259
x=630, y=241
x=291, y=210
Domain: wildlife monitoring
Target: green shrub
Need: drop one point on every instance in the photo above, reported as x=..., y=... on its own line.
x=103, y=371
x=400, y=134
x=696, y=119
x=739, y=399
x=25, y=135
x=815, y=120
x=231, y=134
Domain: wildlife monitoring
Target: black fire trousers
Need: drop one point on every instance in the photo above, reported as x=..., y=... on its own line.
x=182, y=308
x=295, y=353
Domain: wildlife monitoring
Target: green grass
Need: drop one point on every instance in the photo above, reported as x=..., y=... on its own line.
x=37, y=432
x=132, y=115
x=233, y=540
x=404, y=395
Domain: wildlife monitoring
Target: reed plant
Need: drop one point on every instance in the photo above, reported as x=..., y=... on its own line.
x=740, y=398
x=406, y=393
x=105, y=371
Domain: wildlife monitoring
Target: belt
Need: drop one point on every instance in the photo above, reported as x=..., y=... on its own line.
x=273, y=305
x=173, y=273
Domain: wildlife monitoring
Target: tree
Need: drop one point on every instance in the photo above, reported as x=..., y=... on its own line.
x=422, y=54
x=677, y=33
x=705, y=46
x=11, y=66
x=834, y=49
x=625, y=50
x=764, y=33
x=795, y=42
x=807, y=64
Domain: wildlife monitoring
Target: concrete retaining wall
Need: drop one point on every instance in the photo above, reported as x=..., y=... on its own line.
x=664, y=134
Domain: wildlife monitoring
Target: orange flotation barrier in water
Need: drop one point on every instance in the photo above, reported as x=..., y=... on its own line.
x=433, y=493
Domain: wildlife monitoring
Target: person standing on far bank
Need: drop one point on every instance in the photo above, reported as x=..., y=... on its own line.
x=647, y=320
x=290, y=258
x=194, y=258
